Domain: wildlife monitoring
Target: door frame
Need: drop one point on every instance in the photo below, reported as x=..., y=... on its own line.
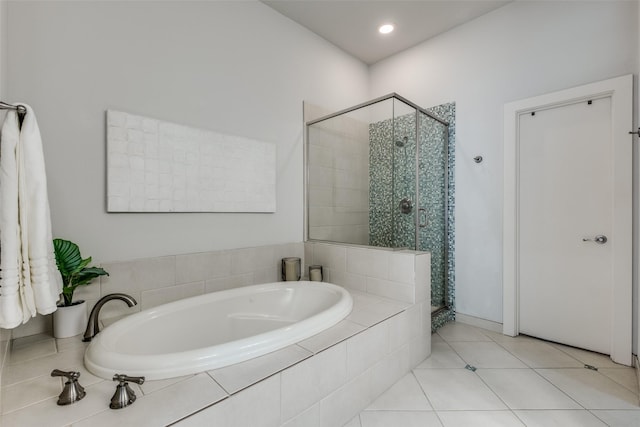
x=620, y=90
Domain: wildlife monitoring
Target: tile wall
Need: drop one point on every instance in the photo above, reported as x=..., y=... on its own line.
x=322, y=381
x=401, y=275
x=338, y=196
x=155, y=281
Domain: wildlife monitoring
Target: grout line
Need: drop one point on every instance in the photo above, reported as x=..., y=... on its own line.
x=537, y=373
x=426, y=397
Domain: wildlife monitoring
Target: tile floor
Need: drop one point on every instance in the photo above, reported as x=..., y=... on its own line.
x=518, y=381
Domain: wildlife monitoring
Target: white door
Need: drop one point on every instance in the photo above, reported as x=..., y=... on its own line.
x=567, y=235
x=566, y=197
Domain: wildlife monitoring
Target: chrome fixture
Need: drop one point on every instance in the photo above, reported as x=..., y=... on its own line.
x=406, y=206
x=124, y=395
x=291, y=269
x=478, y=159
x=72, y=391
x=601, y=239
x=92, y=325
x=20, y=109
x=423, y=218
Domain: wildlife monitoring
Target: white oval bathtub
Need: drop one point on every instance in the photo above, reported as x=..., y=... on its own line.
x=215, y=330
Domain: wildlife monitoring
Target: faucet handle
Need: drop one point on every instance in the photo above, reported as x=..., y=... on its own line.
x=72, y=391
x=124, y=395
x=70, y=375
x=126, y=378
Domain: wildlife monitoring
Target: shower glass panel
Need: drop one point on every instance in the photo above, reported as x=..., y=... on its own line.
x=432, y=215
x=380, y=174
x=403, y=152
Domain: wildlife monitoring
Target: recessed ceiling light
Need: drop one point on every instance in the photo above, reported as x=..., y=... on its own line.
x=385, y=29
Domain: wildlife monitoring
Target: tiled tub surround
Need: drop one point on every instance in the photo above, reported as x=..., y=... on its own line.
x=158, y=280
x=402, y=275
x=323, y=381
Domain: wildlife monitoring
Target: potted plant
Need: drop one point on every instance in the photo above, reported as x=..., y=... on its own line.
x=71, y=316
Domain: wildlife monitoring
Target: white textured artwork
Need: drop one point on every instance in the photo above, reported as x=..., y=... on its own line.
x=157, y=166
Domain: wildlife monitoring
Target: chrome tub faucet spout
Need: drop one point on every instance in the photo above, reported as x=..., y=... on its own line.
x=92, y=325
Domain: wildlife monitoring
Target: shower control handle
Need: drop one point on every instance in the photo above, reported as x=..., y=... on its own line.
x=422, y=214
x=600, y=239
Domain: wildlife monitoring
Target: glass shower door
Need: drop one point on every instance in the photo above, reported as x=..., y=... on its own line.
x=404, y=149
x=432, y=189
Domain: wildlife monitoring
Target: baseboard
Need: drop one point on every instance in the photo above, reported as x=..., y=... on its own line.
x=480, y=323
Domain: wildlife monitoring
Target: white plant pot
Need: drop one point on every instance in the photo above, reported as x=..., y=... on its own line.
x=70, y=321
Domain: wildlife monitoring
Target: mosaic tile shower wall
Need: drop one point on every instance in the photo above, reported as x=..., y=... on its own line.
x=392, y=156
x=392, y=178
x=447, y=112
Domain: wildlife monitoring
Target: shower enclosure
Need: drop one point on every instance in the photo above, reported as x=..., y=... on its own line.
x=381, y=174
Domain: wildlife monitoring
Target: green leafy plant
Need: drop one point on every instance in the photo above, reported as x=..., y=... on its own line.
x=73, y=268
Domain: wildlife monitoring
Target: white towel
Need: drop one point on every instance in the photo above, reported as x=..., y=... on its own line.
x=10, y=255
x=30, y=281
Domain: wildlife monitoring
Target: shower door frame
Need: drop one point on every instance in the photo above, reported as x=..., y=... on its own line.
x=446, y=307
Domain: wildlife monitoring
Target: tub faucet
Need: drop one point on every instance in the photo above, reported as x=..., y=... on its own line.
x=92, y=325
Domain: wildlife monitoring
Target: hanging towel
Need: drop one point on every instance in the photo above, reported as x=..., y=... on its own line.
x=10, y=262
x=30, y=282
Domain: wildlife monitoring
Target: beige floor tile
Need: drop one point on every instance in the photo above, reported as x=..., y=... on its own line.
x=457, y=389
x=626, y=377
x=486, y=355
x=573, y=418
x=588, y=357
x=525, y=389
x=436, y=339
x=501, y=338
x=460, y=332
x=479, y=419
x=539, y=354
x=591, y=389
x=399, y=418
x=405, y=395
x=355, y=422
x=619, y=418
x=442, y=356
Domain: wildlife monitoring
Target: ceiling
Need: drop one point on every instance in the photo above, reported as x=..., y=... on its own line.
x=353, y=25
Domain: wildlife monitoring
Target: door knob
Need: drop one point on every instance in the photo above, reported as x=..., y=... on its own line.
x=601, y=239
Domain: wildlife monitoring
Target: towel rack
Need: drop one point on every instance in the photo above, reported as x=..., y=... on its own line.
x=21, y=109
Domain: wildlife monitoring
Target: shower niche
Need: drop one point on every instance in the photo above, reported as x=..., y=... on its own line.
x=381, y=174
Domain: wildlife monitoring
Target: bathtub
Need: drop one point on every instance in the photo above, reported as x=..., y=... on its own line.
x=215, y=330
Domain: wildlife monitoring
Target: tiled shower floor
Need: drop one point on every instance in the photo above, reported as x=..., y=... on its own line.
x=519, y=381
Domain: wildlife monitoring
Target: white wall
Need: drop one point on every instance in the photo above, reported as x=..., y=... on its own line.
x=235, y=67
x=3, y=47
x=524, y=49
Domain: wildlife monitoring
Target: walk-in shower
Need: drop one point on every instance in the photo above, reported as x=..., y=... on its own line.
x=381, y=174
